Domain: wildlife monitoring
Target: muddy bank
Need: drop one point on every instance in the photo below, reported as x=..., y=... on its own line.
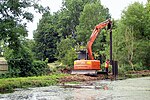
x=83, y=78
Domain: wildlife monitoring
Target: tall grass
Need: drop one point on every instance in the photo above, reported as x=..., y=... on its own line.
x=9, y=84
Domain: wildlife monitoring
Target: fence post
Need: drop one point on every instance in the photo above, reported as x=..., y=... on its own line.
x=112, y=67
x=115, y=68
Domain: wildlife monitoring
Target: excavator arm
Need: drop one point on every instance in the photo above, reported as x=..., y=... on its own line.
x=94, y=34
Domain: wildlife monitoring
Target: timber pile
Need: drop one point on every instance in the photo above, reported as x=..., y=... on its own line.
x=3, y=65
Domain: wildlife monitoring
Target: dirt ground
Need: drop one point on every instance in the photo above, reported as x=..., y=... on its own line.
x=140, y=72
x=83, y=78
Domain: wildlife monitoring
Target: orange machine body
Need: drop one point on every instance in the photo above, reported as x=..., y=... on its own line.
x=87, y=65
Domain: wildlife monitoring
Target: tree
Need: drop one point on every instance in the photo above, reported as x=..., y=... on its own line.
x=46, y=38
x=13, y=19
x=92, y=15
x=130, y=37
x=136, y=19
x=13, y=14
x=147, y=20
x=130, y=45
x=69, y=16
x=55, y=27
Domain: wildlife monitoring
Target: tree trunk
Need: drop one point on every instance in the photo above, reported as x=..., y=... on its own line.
x=130, y=62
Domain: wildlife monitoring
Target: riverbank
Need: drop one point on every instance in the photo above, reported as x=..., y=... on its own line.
x=82, y=78
x=9, y=84
x=135, y=74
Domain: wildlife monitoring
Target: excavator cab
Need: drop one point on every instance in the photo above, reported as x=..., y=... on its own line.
x=82, y=55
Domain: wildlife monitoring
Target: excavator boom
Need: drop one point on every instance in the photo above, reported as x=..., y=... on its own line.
x=94, y=34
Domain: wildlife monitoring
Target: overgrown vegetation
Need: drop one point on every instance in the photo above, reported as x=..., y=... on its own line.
x=22, y=64
x=9, y=84
x=66, y=52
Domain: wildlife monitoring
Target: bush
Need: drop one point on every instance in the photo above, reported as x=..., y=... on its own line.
x=39, y=68
x=121, y=71
x=19, y=67
x=69, y=57
x=66, y=52
x=19, y=62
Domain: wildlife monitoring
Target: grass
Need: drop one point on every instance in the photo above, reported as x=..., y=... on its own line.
x=73, y=82
x=9, y=84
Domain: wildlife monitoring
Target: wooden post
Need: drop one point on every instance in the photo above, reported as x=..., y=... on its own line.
x=111, y=46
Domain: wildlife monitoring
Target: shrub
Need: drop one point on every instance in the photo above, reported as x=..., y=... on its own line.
x=19, y=67
x=121, y=71
x=66, y=52
x=19, y=62
x=39, y=68
x=69, y=57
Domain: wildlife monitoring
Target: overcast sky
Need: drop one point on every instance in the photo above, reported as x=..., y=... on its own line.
x=115, y=9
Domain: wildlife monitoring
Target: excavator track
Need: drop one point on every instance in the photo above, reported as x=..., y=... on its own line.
x=90, y=72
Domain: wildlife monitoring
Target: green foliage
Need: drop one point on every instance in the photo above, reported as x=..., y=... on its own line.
x=66, y=53
x=20, y=68
x=93, y=14
x=69, y=16
x=13, y=19
x=147, y=20
x=69, y=57
x=13, y=31
x=7, y=85
x=137, y=19
x=30, y=44
x=53, y=28
x=61, y=25
x=19, y=62
x=46, y=38
x=39, y=68
x=142, y=54
x=133, y=18
x=130, y=39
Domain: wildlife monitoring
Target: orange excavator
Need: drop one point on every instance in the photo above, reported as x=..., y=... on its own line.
x=90, y=66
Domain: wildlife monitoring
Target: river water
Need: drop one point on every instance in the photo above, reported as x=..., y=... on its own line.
x=129, y=89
